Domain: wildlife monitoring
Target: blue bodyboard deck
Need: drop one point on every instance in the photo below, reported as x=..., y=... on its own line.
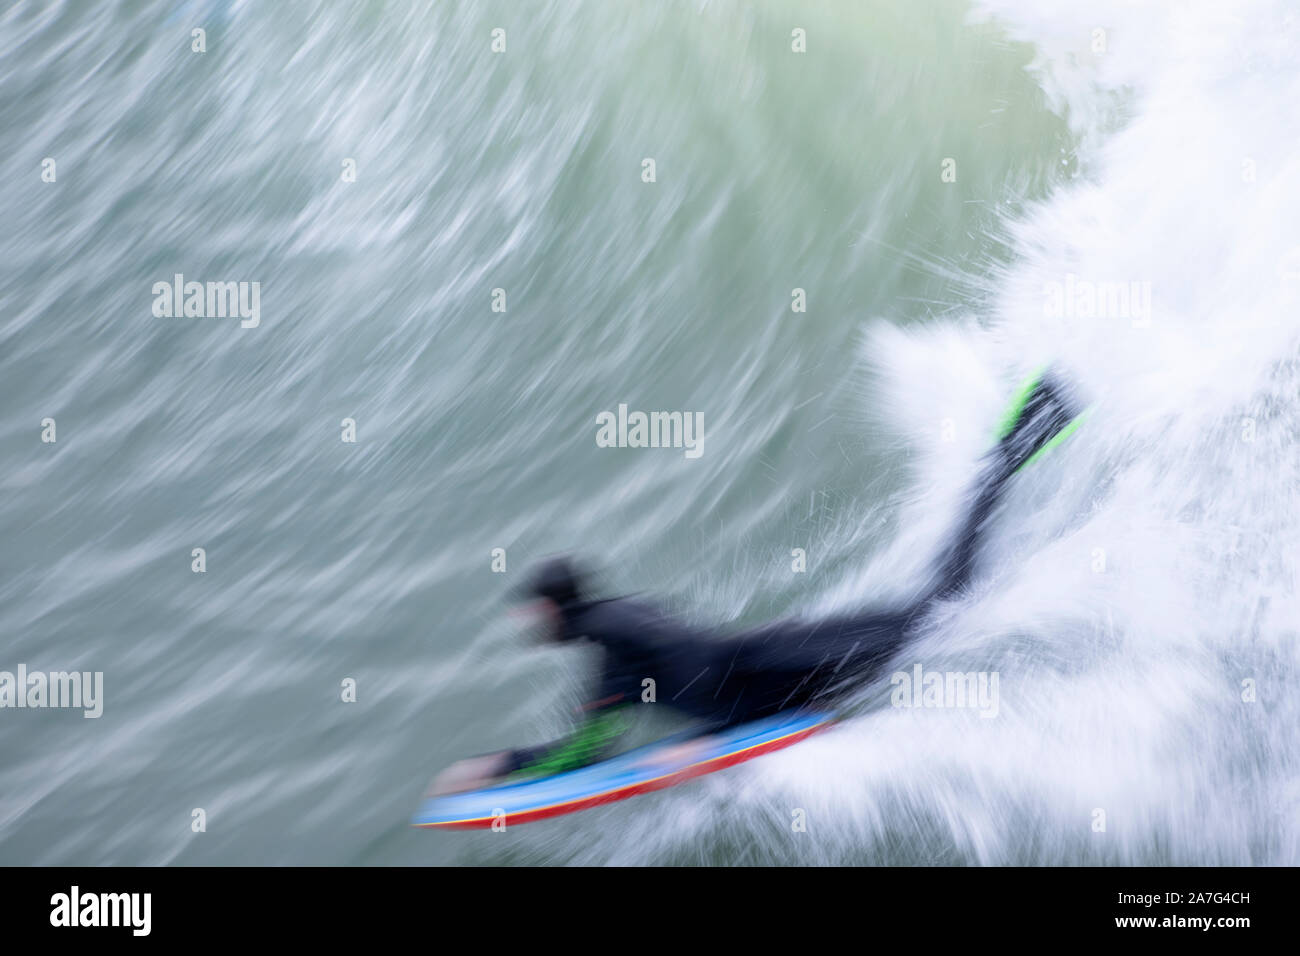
x=643, y=770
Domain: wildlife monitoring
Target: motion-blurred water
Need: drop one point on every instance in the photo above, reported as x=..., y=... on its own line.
x=1138, y=576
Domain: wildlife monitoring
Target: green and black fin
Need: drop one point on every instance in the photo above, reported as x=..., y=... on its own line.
x=1041, y=415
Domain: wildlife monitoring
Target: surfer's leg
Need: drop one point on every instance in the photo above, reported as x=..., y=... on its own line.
x=796, y=663
x=1040, y=416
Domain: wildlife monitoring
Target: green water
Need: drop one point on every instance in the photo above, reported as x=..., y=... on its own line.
x=326, y=560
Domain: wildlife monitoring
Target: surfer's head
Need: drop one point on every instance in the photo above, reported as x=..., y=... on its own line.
x=558, y=585
x=556, y=579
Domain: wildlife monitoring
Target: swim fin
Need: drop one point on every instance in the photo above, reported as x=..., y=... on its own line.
x=1041, y=415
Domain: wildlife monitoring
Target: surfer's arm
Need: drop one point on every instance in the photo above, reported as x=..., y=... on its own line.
x=593, y=739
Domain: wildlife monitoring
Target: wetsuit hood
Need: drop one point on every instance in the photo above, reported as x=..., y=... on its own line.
x=558, y=580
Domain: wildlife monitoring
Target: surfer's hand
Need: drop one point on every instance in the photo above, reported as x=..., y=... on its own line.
x=470, y=774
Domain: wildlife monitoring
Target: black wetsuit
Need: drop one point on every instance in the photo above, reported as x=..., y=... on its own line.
x=725, y=679
x=733, y=678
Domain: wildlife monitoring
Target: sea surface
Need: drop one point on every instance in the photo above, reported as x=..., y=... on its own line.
x=863, y=224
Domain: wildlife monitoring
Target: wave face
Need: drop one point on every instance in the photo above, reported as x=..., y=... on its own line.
x=1123, y=207
x=1141, y=606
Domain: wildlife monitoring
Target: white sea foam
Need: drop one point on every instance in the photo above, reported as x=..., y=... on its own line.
x=1140, y=587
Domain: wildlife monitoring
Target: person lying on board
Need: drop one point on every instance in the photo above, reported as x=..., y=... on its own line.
x=728, y=679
